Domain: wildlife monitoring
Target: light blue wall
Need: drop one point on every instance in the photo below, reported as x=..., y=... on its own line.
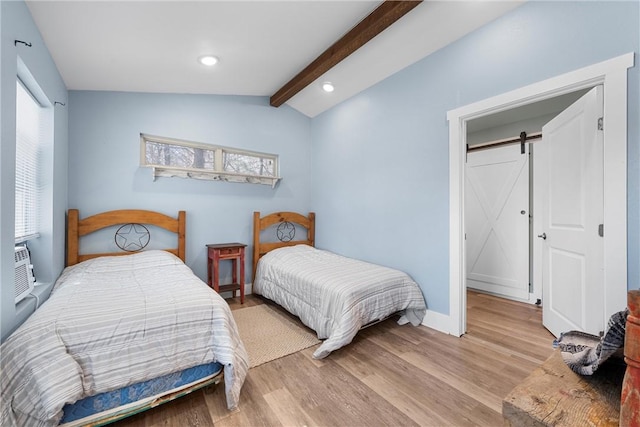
x=104, y=153
x=374, y=168
x=16, y=23
x=380, y=159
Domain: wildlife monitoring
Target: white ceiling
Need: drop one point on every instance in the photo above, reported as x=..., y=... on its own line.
x=153, y=46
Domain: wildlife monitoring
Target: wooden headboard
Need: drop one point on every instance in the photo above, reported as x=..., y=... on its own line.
x=280, y=218
x=77, y=228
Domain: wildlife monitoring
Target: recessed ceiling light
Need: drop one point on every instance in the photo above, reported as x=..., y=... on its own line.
x=327, y=87
x=208, y=60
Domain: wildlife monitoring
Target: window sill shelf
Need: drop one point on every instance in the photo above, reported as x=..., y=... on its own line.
x=214, y=176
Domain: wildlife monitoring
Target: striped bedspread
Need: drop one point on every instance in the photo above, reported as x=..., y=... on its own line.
x=336, y=295
x=111, y=322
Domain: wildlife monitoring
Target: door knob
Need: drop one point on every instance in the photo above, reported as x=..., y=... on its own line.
x=543, y=236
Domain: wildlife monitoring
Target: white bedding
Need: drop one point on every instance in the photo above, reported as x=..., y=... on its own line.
x=335, y=295
x=112, y=322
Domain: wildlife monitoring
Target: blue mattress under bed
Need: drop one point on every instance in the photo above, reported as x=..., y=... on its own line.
x=92, y=405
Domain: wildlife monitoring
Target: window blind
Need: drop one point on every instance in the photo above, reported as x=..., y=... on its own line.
x=28, y=143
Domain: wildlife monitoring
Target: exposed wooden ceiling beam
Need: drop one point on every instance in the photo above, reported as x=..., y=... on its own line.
x=376, y=22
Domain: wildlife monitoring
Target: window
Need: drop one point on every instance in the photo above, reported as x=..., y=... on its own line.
x=29, y=121
x=172, y=157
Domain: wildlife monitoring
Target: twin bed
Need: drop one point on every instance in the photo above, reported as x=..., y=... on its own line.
x=122, y=334
x=334, y=295
x=119, y=334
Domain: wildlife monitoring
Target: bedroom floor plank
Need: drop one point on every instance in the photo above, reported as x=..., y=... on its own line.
x=217, y=403
x=404, y=401
x=339, y=398
x=254, y=409
x=389, y=375
x=437, y=401
x=286, y=408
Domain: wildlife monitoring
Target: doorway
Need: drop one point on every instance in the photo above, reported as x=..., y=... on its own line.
x=554, y=206
x=612, y=75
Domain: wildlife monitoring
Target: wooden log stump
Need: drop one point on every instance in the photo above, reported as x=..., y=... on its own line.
x=630, y=396
x=554, y=395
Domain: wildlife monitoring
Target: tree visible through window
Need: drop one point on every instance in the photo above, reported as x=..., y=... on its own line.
x=165, y=154
x=172, y=157
x=248, y=164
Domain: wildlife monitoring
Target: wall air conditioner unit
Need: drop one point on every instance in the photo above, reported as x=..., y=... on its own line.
x=24, y=277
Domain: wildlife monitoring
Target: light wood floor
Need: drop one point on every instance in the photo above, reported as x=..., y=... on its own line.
x=390, y=375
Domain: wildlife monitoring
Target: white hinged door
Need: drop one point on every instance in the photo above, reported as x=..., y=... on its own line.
x=568, y=201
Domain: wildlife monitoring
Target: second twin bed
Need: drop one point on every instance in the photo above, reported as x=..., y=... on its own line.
x=334, y=295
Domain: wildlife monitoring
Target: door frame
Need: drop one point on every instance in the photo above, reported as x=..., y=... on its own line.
x=612, y=74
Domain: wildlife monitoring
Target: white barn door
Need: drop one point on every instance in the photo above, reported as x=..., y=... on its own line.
x=497, y=221
x=568, y=182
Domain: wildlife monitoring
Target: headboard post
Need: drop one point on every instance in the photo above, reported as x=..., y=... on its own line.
x=311, y=231
x=72, y=237
x=256, y=245
x=182, y=226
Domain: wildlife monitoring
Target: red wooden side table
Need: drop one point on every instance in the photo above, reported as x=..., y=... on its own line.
x=226, y=251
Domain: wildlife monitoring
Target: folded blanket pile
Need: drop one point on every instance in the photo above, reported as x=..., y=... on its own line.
x=584, y=353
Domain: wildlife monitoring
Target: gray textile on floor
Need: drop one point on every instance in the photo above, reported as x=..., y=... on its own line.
x=584, y=353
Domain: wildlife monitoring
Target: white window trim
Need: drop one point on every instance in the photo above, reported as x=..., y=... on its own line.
x=210, y=175
x=613, y=75
x=23, y=239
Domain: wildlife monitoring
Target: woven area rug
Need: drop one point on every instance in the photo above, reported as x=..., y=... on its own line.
x=269, y=335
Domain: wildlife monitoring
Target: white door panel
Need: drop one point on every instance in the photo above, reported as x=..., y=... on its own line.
x=568, y=202
x=497, y=221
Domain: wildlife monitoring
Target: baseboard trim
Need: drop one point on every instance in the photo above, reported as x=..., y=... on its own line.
x=438, y=321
